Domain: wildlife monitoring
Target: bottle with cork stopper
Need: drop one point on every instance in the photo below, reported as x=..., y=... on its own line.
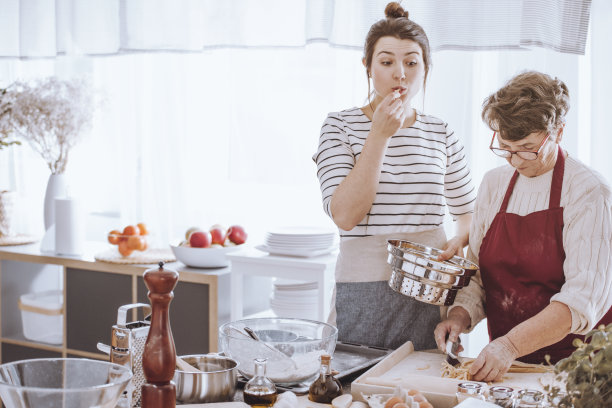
x=326, y=387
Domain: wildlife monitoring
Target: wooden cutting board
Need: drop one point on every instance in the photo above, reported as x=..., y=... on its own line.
x=217, y=405
x=422, y=371
x=303, y=402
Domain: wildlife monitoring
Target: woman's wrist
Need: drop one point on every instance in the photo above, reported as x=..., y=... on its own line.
x=461, y=316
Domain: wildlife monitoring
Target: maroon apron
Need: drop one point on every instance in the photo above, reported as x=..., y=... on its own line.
x=521, y=263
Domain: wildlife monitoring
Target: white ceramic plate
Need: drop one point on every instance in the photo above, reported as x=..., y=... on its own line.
x=302, y=253
x=203, y=257
x=301, y=231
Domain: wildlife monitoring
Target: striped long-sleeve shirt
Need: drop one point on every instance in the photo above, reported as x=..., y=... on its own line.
x=424, y=170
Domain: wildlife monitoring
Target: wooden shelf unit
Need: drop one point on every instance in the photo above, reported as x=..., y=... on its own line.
x=94, y=290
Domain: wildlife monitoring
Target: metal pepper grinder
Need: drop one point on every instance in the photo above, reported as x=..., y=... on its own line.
x=159, y=355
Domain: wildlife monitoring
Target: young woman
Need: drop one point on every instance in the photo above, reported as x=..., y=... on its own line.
x=389, y=171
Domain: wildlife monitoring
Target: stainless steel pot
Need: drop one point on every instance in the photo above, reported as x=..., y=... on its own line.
x=216, y=382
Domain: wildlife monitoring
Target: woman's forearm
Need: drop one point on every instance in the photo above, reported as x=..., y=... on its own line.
x=354, y=196
x=462, y=229
x=549, y=326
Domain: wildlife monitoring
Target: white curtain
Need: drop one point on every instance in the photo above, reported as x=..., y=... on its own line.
x=225, y=135
x=47, y=28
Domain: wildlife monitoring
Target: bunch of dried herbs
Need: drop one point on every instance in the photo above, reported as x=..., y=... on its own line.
x=586, y=375
x=52, y=114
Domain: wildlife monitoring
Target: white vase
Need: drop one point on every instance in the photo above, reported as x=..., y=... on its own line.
x=56, y=187
x=7, y=211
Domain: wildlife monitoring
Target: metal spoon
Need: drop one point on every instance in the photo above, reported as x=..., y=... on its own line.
x=255, y=337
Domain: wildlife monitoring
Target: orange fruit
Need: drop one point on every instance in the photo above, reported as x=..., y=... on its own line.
x=131, y=230
x=134, y=242
x=143, y=228
x=113, y=237
x=124, y=249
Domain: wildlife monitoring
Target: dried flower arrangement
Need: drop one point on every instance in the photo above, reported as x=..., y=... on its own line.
x=52, y=114
x=587, y=373
x=6, y=101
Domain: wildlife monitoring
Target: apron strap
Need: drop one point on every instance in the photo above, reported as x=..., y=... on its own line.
x=557, y=180
x=509, y=192
x=555, y=187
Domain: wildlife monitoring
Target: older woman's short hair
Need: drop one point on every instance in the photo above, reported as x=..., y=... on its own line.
x=530, y=102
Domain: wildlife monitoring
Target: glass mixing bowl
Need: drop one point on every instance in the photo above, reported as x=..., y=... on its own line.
x=291, y=346
x=62, y=383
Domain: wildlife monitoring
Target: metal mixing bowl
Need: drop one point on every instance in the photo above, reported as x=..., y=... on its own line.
x=428, y=292
x=216, y=382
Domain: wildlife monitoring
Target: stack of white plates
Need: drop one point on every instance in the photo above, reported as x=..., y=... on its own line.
x=299, y=241
x=295, y=299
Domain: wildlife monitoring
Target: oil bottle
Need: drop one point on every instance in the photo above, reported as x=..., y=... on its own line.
x=326, y=387
x=259, y=391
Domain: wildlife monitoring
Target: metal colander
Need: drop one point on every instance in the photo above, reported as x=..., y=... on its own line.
x=415, y=272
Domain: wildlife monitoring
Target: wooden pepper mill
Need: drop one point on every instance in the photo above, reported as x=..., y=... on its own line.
x=159, y=355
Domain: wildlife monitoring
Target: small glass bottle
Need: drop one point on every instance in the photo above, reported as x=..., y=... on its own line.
x=259, y=391
x=529, y=399
x=502, y=396
x=326, y=387
x=467, y=390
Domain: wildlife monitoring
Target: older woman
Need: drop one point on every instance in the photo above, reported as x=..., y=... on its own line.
x=541, y=233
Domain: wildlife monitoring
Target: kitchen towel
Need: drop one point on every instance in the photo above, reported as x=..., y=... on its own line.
x=69, y=233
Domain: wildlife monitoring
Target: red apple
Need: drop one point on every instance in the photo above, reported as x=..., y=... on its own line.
x=200, y=239
x=191, y=231
x=219, y=235
x=237, y=234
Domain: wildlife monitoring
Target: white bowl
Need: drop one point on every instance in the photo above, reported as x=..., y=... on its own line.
x=203, y=257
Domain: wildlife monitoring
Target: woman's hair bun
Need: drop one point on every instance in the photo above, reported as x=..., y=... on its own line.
x=394, y=10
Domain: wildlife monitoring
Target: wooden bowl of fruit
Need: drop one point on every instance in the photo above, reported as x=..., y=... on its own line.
x=208, y=248
x=132, y=239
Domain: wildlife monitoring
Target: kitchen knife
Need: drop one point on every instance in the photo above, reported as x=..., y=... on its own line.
x=452, y=353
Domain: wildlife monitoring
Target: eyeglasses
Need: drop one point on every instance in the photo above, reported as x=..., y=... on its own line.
x=523, y=154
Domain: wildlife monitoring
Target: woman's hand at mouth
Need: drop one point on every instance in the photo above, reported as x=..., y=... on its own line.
x=389, y=115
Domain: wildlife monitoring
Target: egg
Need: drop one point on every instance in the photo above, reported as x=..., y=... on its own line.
x=400, y=405
x=392, y=401
x=425, y=405
x=418, y=397
x=342, y=401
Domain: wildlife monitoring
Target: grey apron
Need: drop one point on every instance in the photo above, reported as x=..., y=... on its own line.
x=366, y=310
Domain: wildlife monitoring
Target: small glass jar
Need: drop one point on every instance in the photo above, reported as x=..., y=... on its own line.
x=557, y=401
x=502, y=396
x=467, y=390
x=529, y=399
